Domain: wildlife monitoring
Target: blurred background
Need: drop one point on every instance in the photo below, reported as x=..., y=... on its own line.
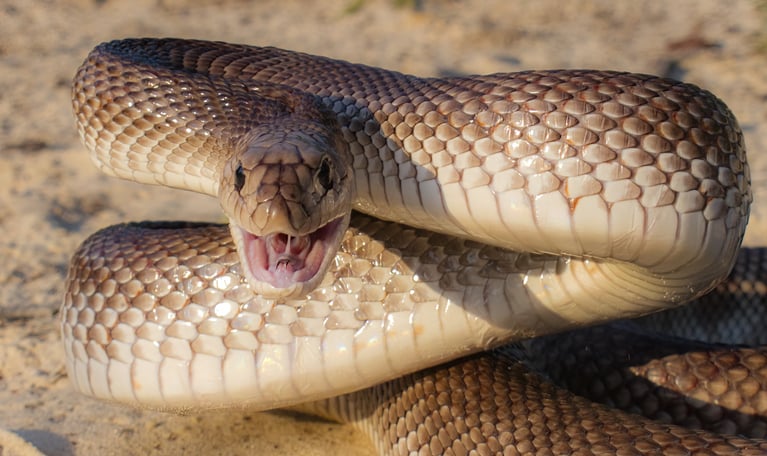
x=51, y=197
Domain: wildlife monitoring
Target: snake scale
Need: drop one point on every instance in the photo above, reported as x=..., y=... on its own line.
x=498, y=208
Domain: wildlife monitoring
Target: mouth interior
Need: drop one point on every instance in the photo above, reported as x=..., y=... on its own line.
x=283, y=260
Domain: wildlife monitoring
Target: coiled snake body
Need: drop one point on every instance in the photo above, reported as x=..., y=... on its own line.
x=516, y=205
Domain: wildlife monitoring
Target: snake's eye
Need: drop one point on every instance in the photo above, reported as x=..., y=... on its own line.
x=323, y=174
x=239, y=178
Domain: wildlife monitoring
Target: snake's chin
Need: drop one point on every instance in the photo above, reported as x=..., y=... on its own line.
x=281, y=265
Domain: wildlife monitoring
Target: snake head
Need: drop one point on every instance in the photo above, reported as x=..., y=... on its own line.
x=288, y=197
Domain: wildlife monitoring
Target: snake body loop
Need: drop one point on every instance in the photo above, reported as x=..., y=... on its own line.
x=535, y=202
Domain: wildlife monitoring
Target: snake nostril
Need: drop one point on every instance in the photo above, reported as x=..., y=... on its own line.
x=239, y=178
x=324, y=174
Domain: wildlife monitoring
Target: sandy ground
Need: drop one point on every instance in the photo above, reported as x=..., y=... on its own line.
x=51, y=197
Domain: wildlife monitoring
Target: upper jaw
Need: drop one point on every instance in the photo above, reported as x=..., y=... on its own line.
x=280, y=265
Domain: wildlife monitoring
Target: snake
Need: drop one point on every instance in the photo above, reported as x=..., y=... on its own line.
x=395, y=243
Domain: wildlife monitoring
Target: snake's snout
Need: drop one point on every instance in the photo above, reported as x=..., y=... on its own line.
x=292, y=181
x=285, y=244
x=288, y=199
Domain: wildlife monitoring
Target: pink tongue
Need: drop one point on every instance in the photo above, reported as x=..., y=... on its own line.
x=286, y=254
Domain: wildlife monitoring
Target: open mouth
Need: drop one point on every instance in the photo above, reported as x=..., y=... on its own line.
x=289, y=264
